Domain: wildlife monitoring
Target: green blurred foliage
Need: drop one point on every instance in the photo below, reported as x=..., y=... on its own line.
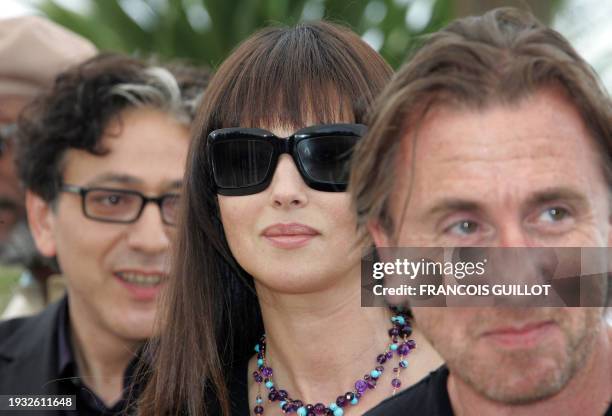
x=9, y=277
x=205, y=31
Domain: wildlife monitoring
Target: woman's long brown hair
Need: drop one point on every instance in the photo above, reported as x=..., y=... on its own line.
x=311, y=73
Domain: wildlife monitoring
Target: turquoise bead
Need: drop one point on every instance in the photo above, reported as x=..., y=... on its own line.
x=354, y=401
x=333, y=406
x=281, y=404
x=260, y=362
x=338, y=412
x=400, y=320
x=269, y=384
x=256, y=347
x=403, y=363
x=259, y=400
x=375, y=373
x=393, y=347
x=301, y=411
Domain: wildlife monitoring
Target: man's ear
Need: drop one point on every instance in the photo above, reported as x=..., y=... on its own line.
x=379, y=234
x=41, y=219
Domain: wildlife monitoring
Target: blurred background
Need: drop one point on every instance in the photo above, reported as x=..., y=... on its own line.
x=205, y=31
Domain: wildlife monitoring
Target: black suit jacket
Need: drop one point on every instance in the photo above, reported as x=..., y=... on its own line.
x=29, y=358
x=29, y=353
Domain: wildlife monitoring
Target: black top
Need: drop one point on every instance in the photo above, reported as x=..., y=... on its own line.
x=427, y=397
x=36, y=357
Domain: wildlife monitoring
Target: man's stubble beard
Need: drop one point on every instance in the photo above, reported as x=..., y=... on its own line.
x=503, y=379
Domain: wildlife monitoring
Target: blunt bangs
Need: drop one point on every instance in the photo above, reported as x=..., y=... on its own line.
x=294, y=77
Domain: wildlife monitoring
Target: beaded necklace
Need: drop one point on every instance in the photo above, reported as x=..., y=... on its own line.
x=400, y=344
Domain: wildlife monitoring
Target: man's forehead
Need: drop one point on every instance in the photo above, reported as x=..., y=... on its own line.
x=509, y=152
x=541, y=126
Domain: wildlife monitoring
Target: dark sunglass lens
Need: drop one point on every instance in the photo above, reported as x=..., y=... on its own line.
x=240, y=163
x=326, y=159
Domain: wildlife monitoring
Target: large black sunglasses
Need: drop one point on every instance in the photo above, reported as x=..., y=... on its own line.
x=244, y=160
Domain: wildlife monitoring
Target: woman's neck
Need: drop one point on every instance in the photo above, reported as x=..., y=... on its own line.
x=320, y=344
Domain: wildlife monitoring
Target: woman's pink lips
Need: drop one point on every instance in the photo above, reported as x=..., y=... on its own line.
x=524, y=336
x=289, y=236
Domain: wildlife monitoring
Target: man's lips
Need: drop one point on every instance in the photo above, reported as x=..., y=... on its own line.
x=141, y=277
x=289, y=236
x=520, y=335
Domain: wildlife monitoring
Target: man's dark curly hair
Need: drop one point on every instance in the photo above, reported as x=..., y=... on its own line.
x=76, y=111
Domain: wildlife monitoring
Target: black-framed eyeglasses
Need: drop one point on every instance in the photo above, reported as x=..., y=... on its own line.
x=243, y=160
x=7, y=133
x=122, y=206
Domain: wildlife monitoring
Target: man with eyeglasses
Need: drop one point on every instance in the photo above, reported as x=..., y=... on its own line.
x=102, y=157
x=32, y=52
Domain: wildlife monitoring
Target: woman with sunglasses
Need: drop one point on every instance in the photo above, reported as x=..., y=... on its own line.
x=265, y=207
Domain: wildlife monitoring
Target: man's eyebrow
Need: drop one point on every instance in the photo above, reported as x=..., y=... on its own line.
x=177, y=184
x=120, y=179
x=453, y=204
x=557, y=194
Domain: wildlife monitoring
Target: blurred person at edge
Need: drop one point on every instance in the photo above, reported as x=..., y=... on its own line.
x=496, y=133
x=102, y=157
x=32, y=52
x=282, y=224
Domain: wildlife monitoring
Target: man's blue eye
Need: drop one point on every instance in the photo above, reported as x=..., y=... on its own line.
x=554, y=214
x=464, y=227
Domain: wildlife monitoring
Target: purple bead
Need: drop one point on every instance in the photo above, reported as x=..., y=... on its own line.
x=358, y=395
x=319, y=408
x=403, y=349
x=393, y=332
x=396, y=383
x=367, y=377
x=258, y=410
x=389, y=355
x=371, y=384
x=340, y=401
x=310, y=413
x=411, y=344
x=273, y=396
x=406, y=330
x=396, y=370
x=282, y=394
x=361, y=386
x=258, y=378
x=349, y=396
x=381, y=359
x=297, y=404
x=266, y=371
x=380, y=369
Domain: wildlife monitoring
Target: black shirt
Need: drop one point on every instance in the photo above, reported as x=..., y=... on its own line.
x=87, y=402
x=427, y=397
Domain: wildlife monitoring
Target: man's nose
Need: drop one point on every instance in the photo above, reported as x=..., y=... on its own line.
x=149, y=233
